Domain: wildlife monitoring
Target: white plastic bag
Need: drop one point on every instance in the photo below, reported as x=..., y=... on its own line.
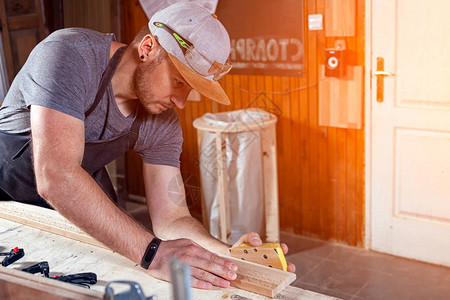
x=243, y=168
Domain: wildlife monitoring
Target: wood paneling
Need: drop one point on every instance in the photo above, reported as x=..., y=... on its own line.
x=22, y=28
x=340, y=17
x=320, y=169
x=340, y=99
x=100, y=15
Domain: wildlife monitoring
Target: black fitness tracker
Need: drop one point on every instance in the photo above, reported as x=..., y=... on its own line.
x=150, y=253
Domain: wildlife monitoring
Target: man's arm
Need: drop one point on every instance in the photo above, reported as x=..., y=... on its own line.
x=171, y=219
x=58, y=149
x=166, y=201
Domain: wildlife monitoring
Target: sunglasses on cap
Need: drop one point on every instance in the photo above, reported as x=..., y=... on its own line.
x=195, y=59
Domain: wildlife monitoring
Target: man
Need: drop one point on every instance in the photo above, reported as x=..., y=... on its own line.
x=82, y=99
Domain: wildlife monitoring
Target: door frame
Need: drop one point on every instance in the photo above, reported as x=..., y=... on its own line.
x=368, y=123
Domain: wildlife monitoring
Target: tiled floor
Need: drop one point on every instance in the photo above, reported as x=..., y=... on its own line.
x=352, y=273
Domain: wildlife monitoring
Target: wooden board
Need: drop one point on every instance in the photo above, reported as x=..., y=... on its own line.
x=260, y=279
x=340, y=99
x=68, y=256
x=340, y=17
x=22, y=29
x=45, y=219
x=15, y=284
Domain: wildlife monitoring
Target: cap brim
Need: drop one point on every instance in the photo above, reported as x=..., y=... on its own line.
x=207, y=88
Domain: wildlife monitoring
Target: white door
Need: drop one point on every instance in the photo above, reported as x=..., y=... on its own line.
x=410, y=152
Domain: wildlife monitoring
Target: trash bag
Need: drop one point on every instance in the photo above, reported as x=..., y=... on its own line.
x=244, y=169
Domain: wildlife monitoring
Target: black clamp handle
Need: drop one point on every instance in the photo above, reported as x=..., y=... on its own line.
x=79, y=278
x=12, y=256
x=41, y=267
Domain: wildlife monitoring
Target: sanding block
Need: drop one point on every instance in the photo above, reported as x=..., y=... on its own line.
x=268, y=254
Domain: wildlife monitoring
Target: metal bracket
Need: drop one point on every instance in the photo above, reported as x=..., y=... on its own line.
x=125, y=290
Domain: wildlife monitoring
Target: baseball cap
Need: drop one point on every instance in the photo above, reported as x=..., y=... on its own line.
x=198, y=45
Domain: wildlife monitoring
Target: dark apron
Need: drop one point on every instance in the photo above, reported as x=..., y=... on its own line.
x=17, y=178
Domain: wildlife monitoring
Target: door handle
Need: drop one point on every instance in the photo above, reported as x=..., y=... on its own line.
x=381, y=74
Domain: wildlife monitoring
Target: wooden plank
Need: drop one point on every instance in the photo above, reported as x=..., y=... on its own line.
x=301, y=226
x=260, y=279
x=95, y=15
x=270, y=180
x=235, y=93
x=45, y=219
x=341, y=185
x=281, y=99
x=23, y=22
x=312, y=213
x=360, y=193
x=332, y=178
x=69, y=256
x=351, y=188
x=205, y=213
x=291, y=207
x=340, y=99
x=222, y=179
x=340, y=17
x=18, y=285
x=360, y=135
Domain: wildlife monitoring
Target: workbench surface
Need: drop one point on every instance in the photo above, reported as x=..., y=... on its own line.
x=68, y=256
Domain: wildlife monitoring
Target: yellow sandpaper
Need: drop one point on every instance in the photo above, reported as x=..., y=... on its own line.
x=268, y=254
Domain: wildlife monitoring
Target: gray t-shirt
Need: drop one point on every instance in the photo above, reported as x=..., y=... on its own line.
x=63, y=72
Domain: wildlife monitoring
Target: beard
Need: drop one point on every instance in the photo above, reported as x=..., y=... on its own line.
x=143, y=87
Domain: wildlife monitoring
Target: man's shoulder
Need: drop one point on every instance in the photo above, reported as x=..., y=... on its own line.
x=77, y=34
x=77, y=40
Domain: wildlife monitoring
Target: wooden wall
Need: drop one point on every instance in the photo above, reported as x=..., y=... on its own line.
x=21, y=29
x=320, y=169
x=100, y=15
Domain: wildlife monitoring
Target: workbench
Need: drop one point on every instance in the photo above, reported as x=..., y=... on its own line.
x=69, y=256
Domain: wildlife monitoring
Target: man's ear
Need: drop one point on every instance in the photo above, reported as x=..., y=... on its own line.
x=146, y=46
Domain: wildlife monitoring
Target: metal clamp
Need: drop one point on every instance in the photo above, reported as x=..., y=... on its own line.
x=133, y=291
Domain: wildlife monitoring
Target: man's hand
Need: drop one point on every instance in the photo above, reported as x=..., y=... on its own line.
x=207, y=268
x=253, y=239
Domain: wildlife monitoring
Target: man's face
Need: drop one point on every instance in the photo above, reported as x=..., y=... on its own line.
x=159, y=86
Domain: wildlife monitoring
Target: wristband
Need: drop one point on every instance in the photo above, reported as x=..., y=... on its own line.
x=150, y=253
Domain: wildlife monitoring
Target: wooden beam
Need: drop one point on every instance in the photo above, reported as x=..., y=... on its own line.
x=44, y=219
x=15, y=284
x=252, y=277
x=340, y=17
x=260, y=279
x=68, y=255
x=340, y=99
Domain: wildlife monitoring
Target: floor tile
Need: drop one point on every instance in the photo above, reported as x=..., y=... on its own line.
x=329, y=292
x=304, y=264
x=387, y=287
x=338, y=277
x=353, y=273
x=416, y=271
x=359, y=258
x=305, y=245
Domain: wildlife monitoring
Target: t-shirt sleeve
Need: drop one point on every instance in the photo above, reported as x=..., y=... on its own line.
x=57, y=77
x=160, y=139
